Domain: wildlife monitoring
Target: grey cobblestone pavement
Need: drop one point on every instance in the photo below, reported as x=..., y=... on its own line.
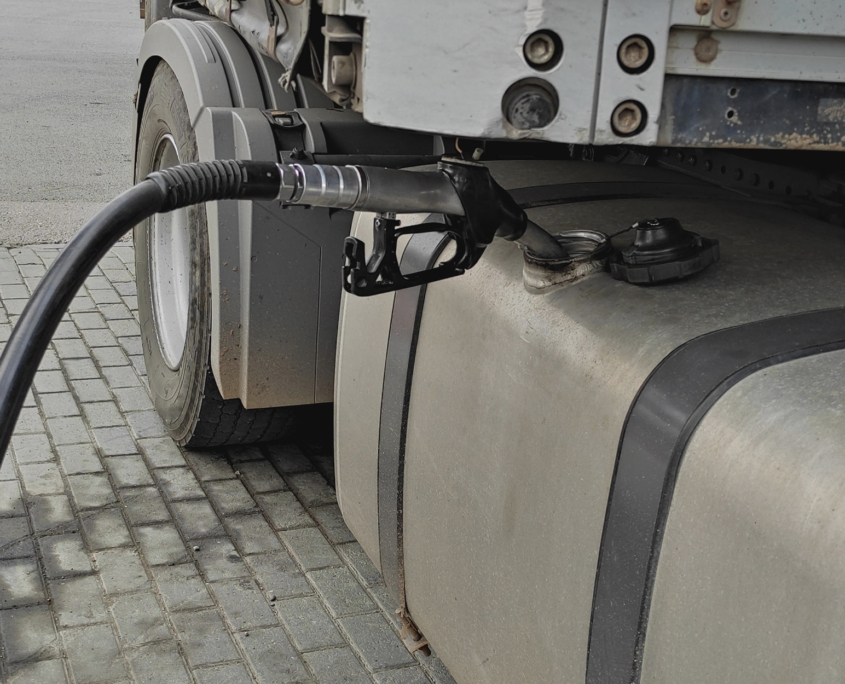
x=126, y=559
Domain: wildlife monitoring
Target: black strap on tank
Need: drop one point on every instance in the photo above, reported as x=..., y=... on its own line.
x=603, y=191
x=421, y=253
x=660, y=423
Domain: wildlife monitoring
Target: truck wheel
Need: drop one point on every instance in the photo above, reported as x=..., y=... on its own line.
x=174, y=295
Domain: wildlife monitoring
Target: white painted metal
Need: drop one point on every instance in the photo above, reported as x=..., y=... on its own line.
x=759, y=55
x=443, y=66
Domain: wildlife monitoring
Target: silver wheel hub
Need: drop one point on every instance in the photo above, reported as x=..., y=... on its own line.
x=170, y=266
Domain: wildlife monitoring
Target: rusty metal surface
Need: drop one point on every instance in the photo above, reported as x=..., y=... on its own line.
x=751, y=113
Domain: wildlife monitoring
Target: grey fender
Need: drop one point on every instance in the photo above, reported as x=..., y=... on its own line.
x=272, y=329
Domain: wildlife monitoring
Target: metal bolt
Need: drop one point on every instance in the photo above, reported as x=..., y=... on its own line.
x=539, y=49
x=529, y=105
x=706, y=50
x=702, y=7
x=627, y=118
x=343, y=70
x=634, y=53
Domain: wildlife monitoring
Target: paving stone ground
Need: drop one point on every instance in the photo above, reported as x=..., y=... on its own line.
x=125, y=559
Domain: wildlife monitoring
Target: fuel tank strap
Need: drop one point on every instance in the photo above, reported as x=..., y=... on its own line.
x=601, y=191
x=661, y=420
x=421, y=253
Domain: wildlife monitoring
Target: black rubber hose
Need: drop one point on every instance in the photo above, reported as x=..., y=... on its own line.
x=166, y=190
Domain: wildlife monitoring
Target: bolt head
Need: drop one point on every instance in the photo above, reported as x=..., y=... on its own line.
x=539, y=49
x=634, y=53
x=627, y=118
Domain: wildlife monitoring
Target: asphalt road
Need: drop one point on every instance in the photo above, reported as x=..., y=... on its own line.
x=67, y=75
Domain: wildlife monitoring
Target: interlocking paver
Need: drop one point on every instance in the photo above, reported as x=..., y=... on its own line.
x=252, y=534
x=139, y=619
x=15, y=538
x=59, y=405
x=145, y=424
x=114, y=441
x=233, y=673
x=71, y=349
x=133, y=399
x=161, y=544
x=331, y=521
x=20, y=583
x=128, y=471
x=50, y=381
x=78, y=459
x=78, y=601
x=31, y=448
x=310, y=548
x=181, y=587
x=230, y=496
x=81, y=369
x=42, y=478
x=178, y=484
x=360, y=563
x=91, y=390
x=342, y=594
x=371, y=638
x=197, y=519
x=218, y=559
x=105, y=529
x=406, y=675
x=312, y=489
x=144, y=505
x=11, y=501
x=121, y=570
x=52, y=671
x=93, y=654
x=261, y=477
x=102, y=414
x=158, y=663
x=204, y=637
x=308, y=623
x=161, y=452
x=284, y=510
x=51, y=514
x=29, y=421
x=67, y=431
x=278, y=575
x=92, y=490
x=28, y=634
x=243, y=604
x=64, y=555
x=337, y=666
x=303, y=603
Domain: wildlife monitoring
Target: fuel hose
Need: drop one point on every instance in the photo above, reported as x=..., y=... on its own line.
x=349, y=187
x=162, y=191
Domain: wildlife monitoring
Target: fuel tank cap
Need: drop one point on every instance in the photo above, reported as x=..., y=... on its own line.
x=662, y=251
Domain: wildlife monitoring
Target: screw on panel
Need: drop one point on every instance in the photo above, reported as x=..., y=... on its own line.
x=543, y=50
x=725, y=13
x=635, y=54
x=702, y=7
x=628, y=118
x=706, y=49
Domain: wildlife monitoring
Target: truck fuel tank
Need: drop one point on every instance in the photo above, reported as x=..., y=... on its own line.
x=588, y=482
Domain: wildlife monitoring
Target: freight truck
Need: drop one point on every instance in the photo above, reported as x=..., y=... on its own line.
x=570, y=273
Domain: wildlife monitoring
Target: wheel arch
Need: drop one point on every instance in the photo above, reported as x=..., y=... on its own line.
x=226, y=86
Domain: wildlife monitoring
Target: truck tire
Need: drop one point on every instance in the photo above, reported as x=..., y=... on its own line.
x=173, y=275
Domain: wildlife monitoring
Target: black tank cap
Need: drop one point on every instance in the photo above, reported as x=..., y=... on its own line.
x=663, y=251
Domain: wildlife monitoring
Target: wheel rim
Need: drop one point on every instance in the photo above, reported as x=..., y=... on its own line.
x=170, y=266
